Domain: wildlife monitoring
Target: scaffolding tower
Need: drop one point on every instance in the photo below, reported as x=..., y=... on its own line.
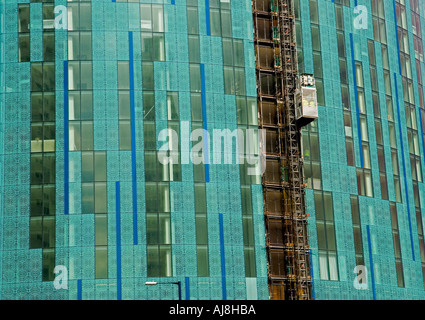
x=283, y=186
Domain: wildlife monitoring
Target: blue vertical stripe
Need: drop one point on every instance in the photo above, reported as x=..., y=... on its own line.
x=207, y=17
x=66, y=137
x=372, y=274
x=223, y=264
x=133, y=137
x=404, y=166
x=313, y=293
x=187, y=287
x=79, y=289
x=118, y=227
x=356, y=98
x=204, y=124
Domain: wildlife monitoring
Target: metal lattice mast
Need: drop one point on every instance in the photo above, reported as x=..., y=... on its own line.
x=300, y=283
x=283, y=187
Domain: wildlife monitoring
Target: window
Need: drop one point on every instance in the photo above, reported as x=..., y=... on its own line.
x=196, y=106
x=229, y=82
x=328, y=263
x=158, y=237
x=201, y=229
x=79, y=45
x=314, y=12
x=123, y=75
x=159, y=261
x=42, y=106
x=153, y=46
x=195, y=77
x=147, y=76
x=192, y=20
x=42, y=137
x=397, y=247
x=79, y=16
x=23, y=32
x=124, y=125
x=194, y=49
x=148, y=105
x=173, y=105
x=80, y=75
x=48, y=264
x=364, y=182
x=101, y=243
x=80, y=105
x=125, y=135
x=215, y=22
x=42, y=76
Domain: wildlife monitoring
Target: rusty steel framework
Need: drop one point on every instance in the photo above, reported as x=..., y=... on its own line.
x=283, y=186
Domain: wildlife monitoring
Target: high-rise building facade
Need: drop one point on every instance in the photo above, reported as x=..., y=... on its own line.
x=364, y=157
x=92, y=205
x=115, y=117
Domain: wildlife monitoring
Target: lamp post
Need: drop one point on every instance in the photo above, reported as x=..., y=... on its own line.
x=178, y=283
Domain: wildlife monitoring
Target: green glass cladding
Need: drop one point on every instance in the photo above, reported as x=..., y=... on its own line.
x=81, y=186
x=364, y=156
